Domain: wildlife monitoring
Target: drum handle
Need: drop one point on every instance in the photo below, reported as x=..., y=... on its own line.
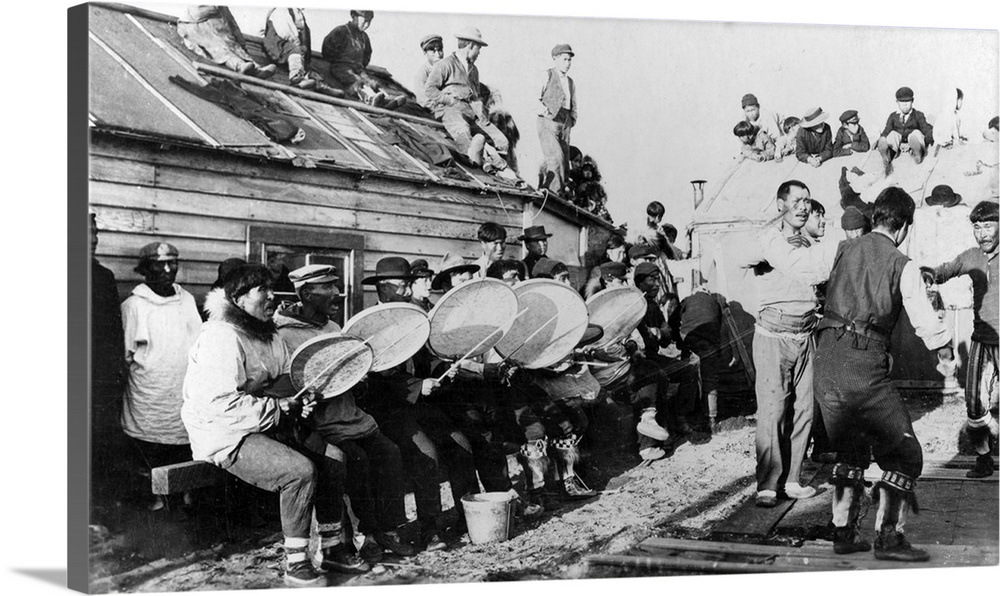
x=480, y=344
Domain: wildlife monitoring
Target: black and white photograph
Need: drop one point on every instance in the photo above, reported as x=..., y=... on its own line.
x=460, y=294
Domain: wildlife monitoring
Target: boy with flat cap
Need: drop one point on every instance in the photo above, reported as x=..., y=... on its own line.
x=433, y=49
x=905, y=130
x=557, y=118
x=851, y=138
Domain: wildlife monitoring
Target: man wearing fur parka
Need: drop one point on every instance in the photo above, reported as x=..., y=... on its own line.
x=239, y=416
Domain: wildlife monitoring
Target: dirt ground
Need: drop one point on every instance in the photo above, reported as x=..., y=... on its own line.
x=683, y=496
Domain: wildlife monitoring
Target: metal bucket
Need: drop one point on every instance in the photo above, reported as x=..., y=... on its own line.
x=489, y=516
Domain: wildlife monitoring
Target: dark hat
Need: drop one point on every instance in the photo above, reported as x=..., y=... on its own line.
x=448, y=265
x=545, y=267
x=848, y=115
x=368, y=14
x=389, y=268
x=641, y=250
x=429, y=39
x=749, y=100
x=943, y=195
x=613, y=270
x=225, y=267
x=158, y=251
x=904, y=94
x=813, y=117
x=471, y=34
x=420, y=268
x=644, y=270
x=592, y=334
x=534, y=233
x=853, y=219
x=313, y=274
x=562, y=48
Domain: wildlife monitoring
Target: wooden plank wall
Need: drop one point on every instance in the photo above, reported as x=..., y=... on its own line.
x=203, y=201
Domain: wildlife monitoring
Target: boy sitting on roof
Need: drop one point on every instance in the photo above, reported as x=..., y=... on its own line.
x=905, y=130
x=211, y=32
x=287, y=41
x=349, y=51
x=765, y=120
x=754, y=145
x=814, y=141
x=851, y=137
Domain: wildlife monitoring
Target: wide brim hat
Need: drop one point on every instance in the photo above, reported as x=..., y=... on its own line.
x=451, y=264
x=944, y=196
x=814, y=117
x=534, y=233
x=390, y=268
x=471, y=34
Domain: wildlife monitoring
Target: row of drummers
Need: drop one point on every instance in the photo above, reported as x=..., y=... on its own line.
x=516, y=368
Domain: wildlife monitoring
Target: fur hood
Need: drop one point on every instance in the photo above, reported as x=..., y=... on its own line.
x=222, y=309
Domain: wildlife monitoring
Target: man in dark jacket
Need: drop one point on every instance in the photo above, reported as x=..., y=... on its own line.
x=905, y=130
x=107, y=343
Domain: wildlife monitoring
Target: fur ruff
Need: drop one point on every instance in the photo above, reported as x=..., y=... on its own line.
x=220, y=308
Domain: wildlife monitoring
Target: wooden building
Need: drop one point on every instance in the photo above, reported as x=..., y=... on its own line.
x=168, y=165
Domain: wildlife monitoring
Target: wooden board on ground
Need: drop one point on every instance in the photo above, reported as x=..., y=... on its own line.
x=759, y=521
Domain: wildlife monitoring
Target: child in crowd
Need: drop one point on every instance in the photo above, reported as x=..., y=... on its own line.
x=851, y=138
x=786, y=144
x=905, y=130
x=753, y=146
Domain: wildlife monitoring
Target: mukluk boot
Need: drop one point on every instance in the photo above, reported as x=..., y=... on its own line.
x=896, y=499
x=848, y=491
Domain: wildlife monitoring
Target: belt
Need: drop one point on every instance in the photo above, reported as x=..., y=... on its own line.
x=837, y=321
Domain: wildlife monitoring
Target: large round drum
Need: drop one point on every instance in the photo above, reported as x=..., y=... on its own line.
x=618, y=311
x=336, y=361
x=471, y=317
x=395, y=331
x=553, y=324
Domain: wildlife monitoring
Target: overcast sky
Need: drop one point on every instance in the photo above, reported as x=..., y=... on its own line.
x=658, y=98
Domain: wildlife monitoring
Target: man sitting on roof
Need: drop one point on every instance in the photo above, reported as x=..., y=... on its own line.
x=211, y=32
x=349, y=51
x=287, y=41
x=453, y=92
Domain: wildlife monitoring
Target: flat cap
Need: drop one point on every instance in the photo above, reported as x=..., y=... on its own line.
x=368, y=14
x=904, y=94
x=641, y=250
x=313, y=274
x=644, y=270
x=429, y=39
x=562, y=48
x=613, y=270
x=749, y=100
x=848, y=115
x=158, y=251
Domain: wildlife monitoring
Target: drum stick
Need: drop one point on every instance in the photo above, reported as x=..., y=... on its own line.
x=480, y=344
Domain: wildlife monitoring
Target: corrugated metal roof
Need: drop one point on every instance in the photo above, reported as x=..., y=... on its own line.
x=746, y=193
x=134, y=53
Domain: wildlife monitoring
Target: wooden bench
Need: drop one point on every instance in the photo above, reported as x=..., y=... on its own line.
x=180, y=478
